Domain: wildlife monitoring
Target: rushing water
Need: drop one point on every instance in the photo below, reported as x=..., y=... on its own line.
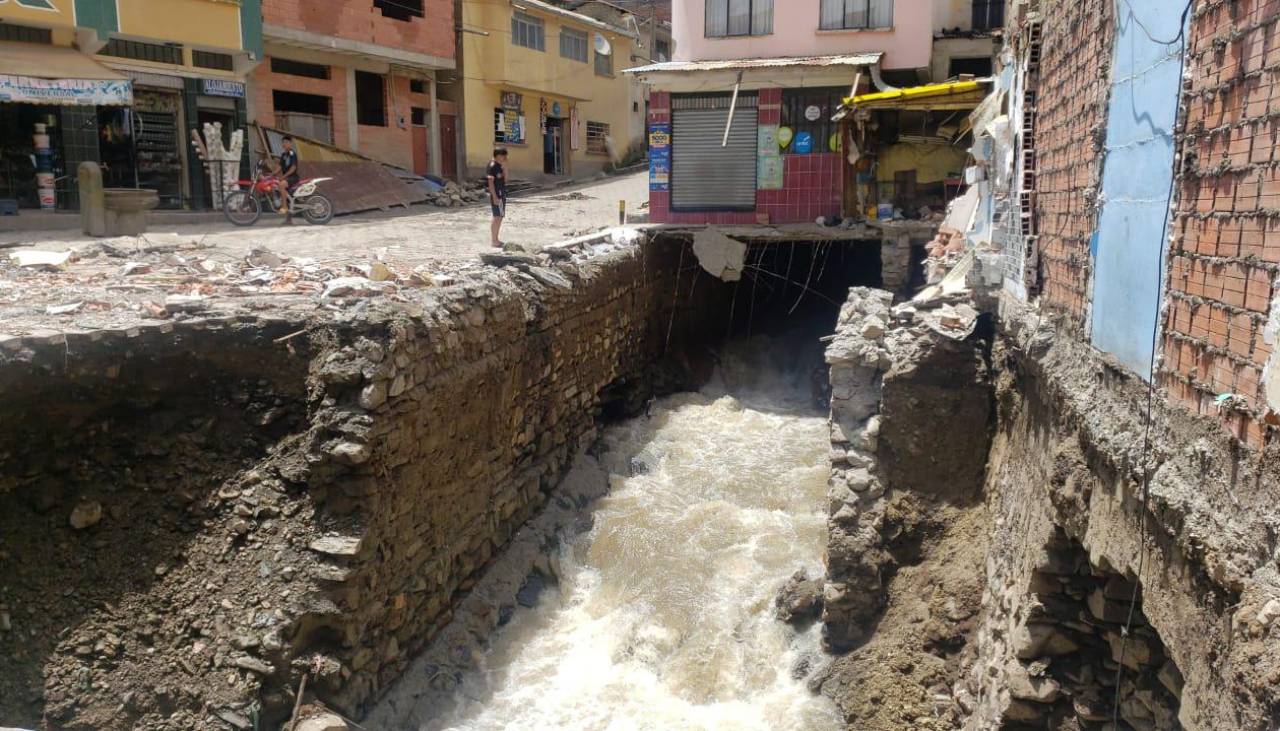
x=664, y=616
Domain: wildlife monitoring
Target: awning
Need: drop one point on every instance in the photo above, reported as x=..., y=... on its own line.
x=746, y=64
x=952, y=95
x=40, y=74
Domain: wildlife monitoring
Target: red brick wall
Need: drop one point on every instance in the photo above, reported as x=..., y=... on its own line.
x=1071, y=111
x=263, y=82
x=359, y=20
x=1225, y=255
x=812, y=185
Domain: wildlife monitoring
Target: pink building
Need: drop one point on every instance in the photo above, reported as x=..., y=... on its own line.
x=785, y=70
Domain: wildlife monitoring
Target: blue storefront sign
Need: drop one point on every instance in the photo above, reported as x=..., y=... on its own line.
x=65, y=91
x=660, y=156
x=221, y=87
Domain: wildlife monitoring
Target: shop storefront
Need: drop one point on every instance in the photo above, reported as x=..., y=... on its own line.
x=49, y=102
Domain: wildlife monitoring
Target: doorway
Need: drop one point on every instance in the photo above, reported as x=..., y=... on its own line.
x=553, y=147
x=449, y=146
x=419, y=135
x=228, y=121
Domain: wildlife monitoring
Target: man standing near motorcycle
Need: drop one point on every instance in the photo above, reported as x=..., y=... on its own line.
x=290, y=178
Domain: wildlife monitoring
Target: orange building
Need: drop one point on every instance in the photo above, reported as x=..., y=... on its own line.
x=362, y=75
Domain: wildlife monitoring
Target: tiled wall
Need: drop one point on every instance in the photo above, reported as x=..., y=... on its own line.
x=812, y=184
x=1225, y=252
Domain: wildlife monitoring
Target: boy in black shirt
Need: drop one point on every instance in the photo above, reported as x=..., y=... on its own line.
x=289, y=170
x=496, y=174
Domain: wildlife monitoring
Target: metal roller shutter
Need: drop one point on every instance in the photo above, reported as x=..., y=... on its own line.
x=704, y=175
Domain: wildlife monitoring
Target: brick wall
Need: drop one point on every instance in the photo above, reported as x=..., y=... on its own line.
x=264, y=81
x=812, y=184
x=1225, y=253
x=359, y=20
x=1071, y=109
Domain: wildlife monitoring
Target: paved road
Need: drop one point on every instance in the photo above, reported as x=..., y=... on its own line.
x=423, y=233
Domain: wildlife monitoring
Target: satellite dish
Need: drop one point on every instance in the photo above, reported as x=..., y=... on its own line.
x=603, y=46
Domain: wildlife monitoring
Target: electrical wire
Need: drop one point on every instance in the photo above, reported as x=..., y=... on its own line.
x=1148, y=417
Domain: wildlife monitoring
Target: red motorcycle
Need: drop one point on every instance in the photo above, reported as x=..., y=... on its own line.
x=244, y=207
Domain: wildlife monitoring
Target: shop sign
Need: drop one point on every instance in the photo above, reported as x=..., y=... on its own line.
x=71, y=92
x=813, y=113
x=512, y=100
x=660, y=156
x=555, y=109
x=222, y=87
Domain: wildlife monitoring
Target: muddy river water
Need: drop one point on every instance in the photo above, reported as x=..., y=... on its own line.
x=664, y=616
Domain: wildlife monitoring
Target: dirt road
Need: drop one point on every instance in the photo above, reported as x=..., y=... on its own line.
x=423, y=233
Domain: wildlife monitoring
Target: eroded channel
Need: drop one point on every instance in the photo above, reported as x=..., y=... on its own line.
x=663, y=616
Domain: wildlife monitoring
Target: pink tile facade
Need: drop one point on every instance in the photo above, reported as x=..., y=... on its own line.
x=812, y=184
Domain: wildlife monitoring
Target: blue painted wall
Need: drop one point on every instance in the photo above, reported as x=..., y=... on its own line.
x=1129, y=248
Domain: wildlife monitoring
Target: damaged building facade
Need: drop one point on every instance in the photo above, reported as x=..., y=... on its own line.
x=1107, y=558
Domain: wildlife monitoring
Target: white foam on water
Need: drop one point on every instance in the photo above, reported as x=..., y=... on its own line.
x=664, y=616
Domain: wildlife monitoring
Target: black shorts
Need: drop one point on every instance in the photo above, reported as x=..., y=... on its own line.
x=499, y=208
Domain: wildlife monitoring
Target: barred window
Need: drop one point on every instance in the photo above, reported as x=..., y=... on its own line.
x=573, y=44
x=597, y=138
x=856, y=14
x=528, y=31
x=210, y=60
x=167, y=53
x=738, y=18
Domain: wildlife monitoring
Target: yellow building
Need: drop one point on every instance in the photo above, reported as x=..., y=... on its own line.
x=123, y=83
x=546, y=83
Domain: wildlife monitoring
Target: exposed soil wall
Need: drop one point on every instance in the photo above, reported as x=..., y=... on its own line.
x=1067, y=467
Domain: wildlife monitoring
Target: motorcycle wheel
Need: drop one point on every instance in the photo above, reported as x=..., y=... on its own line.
x=242, y=208
x=317, y=209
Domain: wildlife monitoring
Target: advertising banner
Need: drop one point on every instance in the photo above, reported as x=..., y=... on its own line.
x=71, y=92
x=660, y=156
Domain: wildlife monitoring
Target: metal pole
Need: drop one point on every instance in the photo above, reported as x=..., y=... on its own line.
x=733, y=105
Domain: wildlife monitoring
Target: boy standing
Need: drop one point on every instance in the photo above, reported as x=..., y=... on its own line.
x=496, y=174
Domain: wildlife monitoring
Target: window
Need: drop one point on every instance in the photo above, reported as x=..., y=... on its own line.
x=597, y=138
x=417, y=86
x=371, y=99
x=988, y=14
x=167, y=53
x=25, y=34
x=604, y=64
x=528, y=31
x=399, y=9
x=661, y=50
x=808, y=112
x=739, y=18
x=979, y=67
x=298, y=68
x=306, y=115
x=573, y=44
x=856, y=14
x=210, y=60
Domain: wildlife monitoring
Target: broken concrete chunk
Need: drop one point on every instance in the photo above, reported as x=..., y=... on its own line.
x=43, y=259
x=336, y=545
x=724, y=258
x=86, y=514
x=134, y=267
x=355, y=287
x=502, y=259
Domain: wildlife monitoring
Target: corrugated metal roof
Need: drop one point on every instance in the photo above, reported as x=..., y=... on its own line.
x=737, y=64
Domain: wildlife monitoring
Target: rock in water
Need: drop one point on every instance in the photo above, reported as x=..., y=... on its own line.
x=800, y=599
x=87, y=514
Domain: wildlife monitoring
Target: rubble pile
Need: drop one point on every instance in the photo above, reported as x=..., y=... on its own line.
x=453, y=195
